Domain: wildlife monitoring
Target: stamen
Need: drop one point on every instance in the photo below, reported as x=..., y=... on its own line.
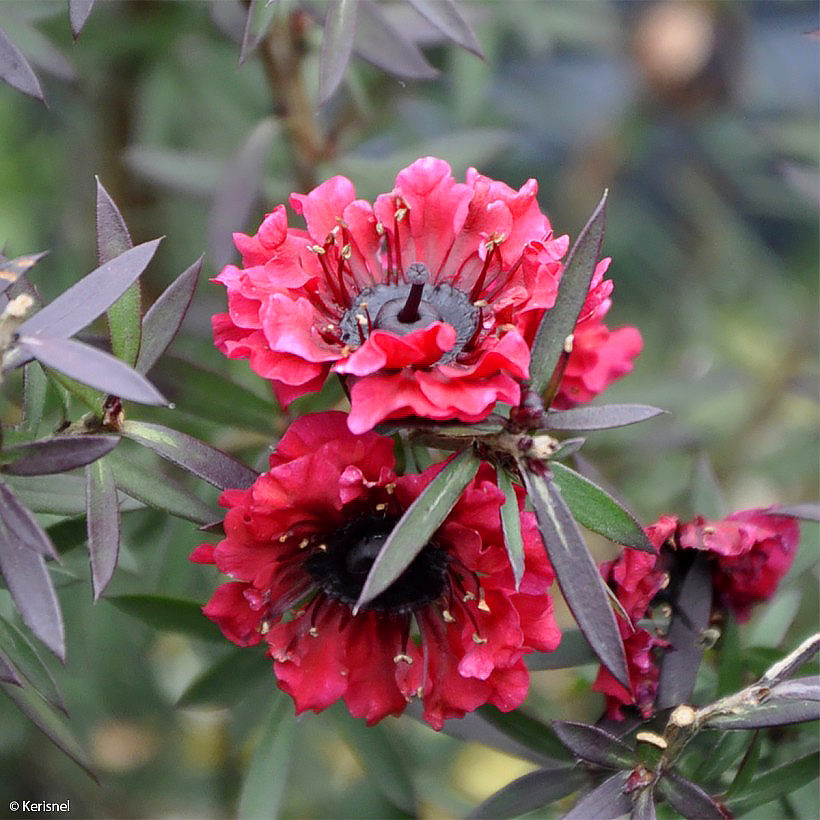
x=478, y=639
x=314, y=633
x=399, y=214
x=448, y=616
x=479, y=283
x=340, y=273
x=402, y=658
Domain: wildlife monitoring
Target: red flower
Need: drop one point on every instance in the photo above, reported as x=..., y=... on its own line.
x=451, y=630
x=426, y=301
x=751, y=551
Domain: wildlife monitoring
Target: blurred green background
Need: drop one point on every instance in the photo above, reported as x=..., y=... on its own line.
x=702, y=120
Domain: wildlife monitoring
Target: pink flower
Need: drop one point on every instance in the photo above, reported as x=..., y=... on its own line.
x=452, y=630
x=425, y=302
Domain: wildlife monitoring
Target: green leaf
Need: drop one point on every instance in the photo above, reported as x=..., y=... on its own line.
x=730, y=671
x=511, y=524
x=526, y=730
x=748, y=767
x=559, y=322
x=380, y=758
x=156, y=490
x=264, y=786
x=574, y=650
x=57, y=494
x=776, y=783
x=724, y=753
x=103, y=519
x=598, y=511
x=228, y=680
x=35, y=387
x=124, y=315
x=576, y=571
x=707, y=497
x=418, y=524
x=168, y=614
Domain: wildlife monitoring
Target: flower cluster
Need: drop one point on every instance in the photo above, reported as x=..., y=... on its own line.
x=750, y=551
x=452, y=630
x=425, y=302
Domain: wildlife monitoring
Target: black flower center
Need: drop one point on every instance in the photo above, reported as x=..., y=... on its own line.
x=341, y=569
x=412, y=305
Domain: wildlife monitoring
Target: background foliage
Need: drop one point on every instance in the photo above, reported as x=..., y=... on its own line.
x=701, y=118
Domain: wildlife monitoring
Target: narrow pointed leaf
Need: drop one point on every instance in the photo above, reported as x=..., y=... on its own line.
x=92, y=295
x=78, y=11
x=643, y=807
x=57, y=494
x=337, y=45
x=35, y=387
x=103, y=518
x=12, y=269
x=724, y=752
x=50, y=723
x=511, y=525
x=263, y=788
x=807, y=511
x=228, y=680
x=680, y=664
x=257, y=22
x=577, y=573
x=527, y=730
x=601, y=417
x=191, y=454
x=774, y=711
x=605, y=802
x=381, y=760
x=688, y=798
x=707, y=497
x=416, y=527
x=776, y=783
x=446, y=17
x=559, y=322
x=15, y=70
x=530, y=792
x=113, y=239
x=20, y=652
x=237, y=191
x=598, y=511
x=730, y=669
x=568, y=447
x=594, y=745
x=163, y=319
x=21, y=525
x=748, y=767
x=574, y=650
x=93, y=367
x=168, y=614
x=379, y=42
x=57, y=454
x=8, y=674
x=158, y=491
x=32, y=590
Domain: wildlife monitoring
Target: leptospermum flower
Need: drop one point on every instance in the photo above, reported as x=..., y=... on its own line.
x=750, y=552
x=426, y=302
x=451, y=630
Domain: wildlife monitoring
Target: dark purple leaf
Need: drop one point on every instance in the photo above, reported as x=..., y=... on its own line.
x=92, y=295
x=605, y=802
x=446, y=17
x=529, y=731
x=807, y=688
x=93, y=367
x=577, y=573
x=15, y=70
x=807, y=511
x=191, y=454
x=688, y=798
x=337, y=45
x=51, y=724
x=379, y=42
x=7, y=672
x=691, y=611
x=772, y=712
x=31, y=588
x=163, y=318
x=558, y=323
x=602, y=417
x=12, y=269
x=40, y=52
x=594, y=745
x=237, y=191
x=78, y=11
x=511, y=525
x=258, y=20
x=57, y=454
x=416, y=527
x=598, y=511
x=113, y=239
x=530, y=792
x=644, y=806
x=22, y=526
x=103, y=519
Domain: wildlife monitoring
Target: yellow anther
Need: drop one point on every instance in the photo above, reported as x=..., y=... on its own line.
x=478, y=639
x=480, y=303
x=313, y=632
x=264, y=628
x=347, y=251
x=401, y=658
x=380, y=229
x=468, y=596
x=381, y=507
x=322, y=547
x=448, y=616
x=568, y=342
x=303, y=543
x=390, y=488
x=316, y=249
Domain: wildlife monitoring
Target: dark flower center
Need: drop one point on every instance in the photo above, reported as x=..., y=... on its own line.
x=402, y=308
x=341, y=569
